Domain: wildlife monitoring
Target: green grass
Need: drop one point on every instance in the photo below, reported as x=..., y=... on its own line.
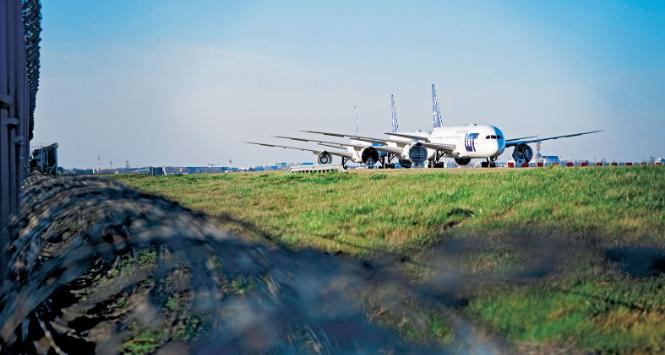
x=400, y=210
x=588, y=304
x=606, y=316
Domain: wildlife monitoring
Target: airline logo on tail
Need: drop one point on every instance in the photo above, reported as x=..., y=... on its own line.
x=393, y=107
x=436, y=111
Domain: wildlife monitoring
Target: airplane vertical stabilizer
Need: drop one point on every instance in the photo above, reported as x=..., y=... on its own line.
x=436, y=111
x=393, y=108
x=355, y=119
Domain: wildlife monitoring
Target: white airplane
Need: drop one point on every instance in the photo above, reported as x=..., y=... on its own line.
x=462, y=143
x=401, y=147
x=366, y=151
x=360, y=152
x=325, y=156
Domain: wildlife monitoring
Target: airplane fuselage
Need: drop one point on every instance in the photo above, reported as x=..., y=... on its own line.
x=474, y=141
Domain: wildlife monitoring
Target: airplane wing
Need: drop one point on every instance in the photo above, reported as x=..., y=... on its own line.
x=517, y=142
x=439, y=146
x=410, y=136
x=380, y=148
x=358, y=138
x=357, y=146
x=315, y=151
x=388, y=149
x=426, y=142
x=395, y=150
x=520, y=138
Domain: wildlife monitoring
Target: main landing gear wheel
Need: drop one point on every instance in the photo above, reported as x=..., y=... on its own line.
x=488, y=164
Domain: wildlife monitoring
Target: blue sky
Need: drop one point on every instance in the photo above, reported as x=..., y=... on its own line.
x=184, y=83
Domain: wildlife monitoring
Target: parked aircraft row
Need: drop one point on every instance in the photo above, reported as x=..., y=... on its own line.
x=419, y=148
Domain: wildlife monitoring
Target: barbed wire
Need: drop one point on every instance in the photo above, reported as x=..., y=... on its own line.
x=94, y=266
x=32, y=28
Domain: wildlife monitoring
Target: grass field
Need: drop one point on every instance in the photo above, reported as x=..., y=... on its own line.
x=551, y=258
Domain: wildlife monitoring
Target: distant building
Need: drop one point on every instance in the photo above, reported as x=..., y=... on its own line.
x=45, y=159
x=156, y=171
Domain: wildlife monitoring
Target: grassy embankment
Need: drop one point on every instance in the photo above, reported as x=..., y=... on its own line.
x=604, y=294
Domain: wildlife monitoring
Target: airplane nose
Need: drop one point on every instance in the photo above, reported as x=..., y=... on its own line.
x=500, y=147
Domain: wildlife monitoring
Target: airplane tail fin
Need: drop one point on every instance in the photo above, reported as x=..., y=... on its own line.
x=393, y=108
x=436, y=111
x=355, y=119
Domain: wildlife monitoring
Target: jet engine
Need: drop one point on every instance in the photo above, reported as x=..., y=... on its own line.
x=462, y=161
x=324, y=158
x=417, y=154
x=522, y=152
x=369, y=156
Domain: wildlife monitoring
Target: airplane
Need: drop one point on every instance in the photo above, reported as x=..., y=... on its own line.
x=462, y=143
x=359, y=152
x=407, y=152
x=367, y=151
x=325, y=156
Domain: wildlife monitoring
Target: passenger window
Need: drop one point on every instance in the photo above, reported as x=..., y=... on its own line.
x=493, y=137
x=488, y=137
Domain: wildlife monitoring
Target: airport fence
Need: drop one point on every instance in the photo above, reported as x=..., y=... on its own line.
x=20, y=28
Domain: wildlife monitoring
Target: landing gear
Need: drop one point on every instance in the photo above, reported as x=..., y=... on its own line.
x=436, y=163
x=344, y=160
x=490, y=163
x=406, y=164
x=386, y=161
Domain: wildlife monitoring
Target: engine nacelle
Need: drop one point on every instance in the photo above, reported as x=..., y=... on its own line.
x=523, y=152
x=324, y=158
x=462, y=161
x=369, y=156
x=416, y=153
